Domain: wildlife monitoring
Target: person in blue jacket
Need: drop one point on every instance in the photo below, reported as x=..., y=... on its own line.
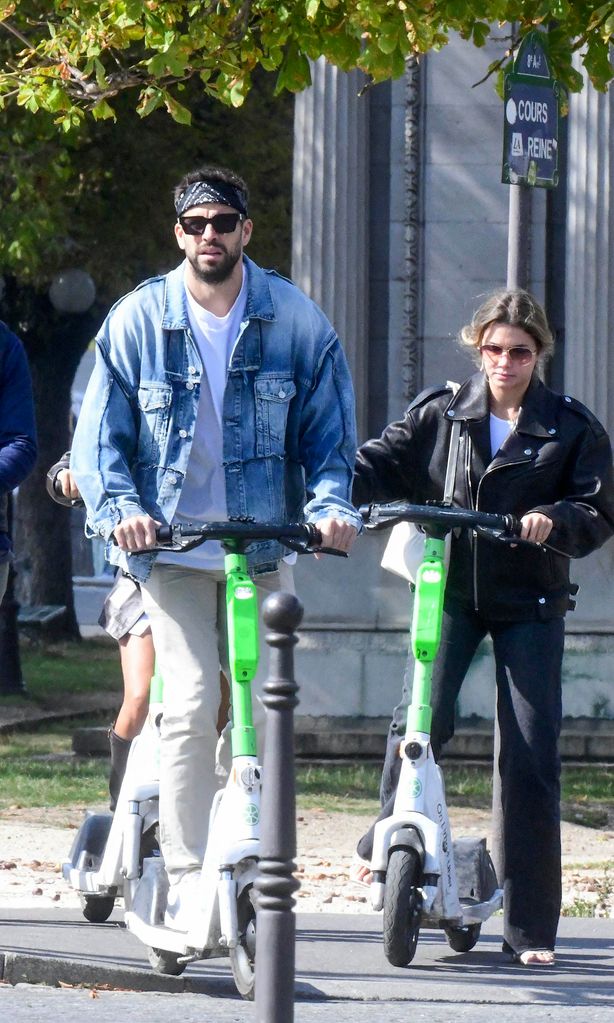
x=220, y=390
x=17, y=433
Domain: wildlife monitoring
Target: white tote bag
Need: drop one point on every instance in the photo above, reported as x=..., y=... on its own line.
x=404, y=551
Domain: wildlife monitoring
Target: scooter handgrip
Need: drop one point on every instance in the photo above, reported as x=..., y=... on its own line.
x=314, y=535
x=513, y=525
x=164, y=534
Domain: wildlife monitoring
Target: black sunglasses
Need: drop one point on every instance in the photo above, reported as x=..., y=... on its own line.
x=222, y=223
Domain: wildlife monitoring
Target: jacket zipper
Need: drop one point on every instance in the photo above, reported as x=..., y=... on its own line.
x=520, y=461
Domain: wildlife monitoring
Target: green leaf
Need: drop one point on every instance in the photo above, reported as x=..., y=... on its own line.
x=294, y=73
x=149, y=100
x=103, y=112
x=177, y=111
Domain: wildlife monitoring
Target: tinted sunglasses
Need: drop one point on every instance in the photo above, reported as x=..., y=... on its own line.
x=520, y=354
x=222, y=223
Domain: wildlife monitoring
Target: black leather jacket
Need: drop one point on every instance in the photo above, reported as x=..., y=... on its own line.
x=557, y=460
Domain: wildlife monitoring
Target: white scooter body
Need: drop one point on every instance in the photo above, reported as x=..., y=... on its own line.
x=116, y=867
x=420, y=811
x=228, y=868
x=110, y=869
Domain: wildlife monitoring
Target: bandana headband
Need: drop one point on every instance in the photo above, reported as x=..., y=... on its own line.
x=202, y=192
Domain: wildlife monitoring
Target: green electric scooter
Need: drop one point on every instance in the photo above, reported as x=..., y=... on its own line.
x=118, y=855
x=420, y=877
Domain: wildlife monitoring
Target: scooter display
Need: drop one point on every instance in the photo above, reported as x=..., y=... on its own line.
x=118, y=855
x=421, y=878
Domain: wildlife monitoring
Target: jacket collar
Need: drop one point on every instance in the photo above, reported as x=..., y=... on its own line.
x=538, y=414
x=258, y=306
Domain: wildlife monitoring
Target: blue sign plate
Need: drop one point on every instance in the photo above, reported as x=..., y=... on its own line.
x=530, y=138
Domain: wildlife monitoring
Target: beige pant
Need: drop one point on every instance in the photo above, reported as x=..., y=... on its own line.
x=185, y=608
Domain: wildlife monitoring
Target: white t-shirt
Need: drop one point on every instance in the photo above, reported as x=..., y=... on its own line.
x=203, y=495
x=500, y=430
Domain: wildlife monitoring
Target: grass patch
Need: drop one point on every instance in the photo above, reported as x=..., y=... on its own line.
x=37, y=769
x=65, y=668
x=52, y=672
x=338, y=788
x=587, y=792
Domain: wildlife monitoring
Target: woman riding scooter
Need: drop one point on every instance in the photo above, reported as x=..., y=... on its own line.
x=544, y=458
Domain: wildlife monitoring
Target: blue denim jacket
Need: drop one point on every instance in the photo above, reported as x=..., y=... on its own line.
x=288, y=413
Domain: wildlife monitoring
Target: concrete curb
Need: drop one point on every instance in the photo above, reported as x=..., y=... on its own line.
x=358, y=744
x=21, y=968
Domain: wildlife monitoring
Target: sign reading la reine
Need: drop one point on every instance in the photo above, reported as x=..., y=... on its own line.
x=531, y=118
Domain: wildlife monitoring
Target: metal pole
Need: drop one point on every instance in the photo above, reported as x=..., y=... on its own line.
x=275, y=925
x=518, y=276
x=519, y=236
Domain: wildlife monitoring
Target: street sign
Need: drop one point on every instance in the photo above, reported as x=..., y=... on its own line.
x=531, y=118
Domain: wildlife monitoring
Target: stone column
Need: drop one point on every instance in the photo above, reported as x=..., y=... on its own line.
x=330, y=209
x=589, y=319
x=589, y=314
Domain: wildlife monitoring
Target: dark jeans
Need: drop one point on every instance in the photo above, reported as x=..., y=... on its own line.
x=528, y=658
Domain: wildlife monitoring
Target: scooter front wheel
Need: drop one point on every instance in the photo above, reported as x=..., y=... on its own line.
x=243, y=956
x=402, y=906
x=162, y=960
x=462, y=939
x=97, y=908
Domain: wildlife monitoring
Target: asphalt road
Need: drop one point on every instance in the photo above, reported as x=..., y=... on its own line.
x=341, y=975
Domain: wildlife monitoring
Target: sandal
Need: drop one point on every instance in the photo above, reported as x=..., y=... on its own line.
x=360, y=871
x=534, y=957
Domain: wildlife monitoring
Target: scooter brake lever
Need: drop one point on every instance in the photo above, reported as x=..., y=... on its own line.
x=329, y=550
x=498, y=536
x=383, y=523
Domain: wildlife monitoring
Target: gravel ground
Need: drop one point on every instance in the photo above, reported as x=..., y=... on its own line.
x=33, y=844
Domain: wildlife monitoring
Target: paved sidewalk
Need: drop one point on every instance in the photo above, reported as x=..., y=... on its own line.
x=340, y=968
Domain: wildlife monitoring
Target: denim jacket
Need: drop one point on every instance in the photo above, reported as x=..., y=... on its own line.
x=288, y=413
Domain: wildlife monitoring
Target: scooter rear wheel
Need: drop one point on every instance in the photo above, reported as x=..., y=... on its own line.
x=243, y=957
x=97, y=908
x=164, y=961
x=402, y=906
x=462, y=939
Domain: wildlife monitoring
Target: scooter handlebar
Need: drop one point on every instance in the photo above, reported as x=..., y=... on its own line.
x=383, y=516
x=303, y=537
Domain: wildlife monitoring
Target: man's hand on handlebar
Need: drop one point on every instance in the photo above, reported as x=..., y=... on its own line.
x=68, y=485
x=136, y=533
x=336, y=534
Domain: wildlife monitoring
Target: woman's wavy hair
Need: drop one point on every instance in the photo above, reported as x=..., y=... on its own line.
x=515, y=307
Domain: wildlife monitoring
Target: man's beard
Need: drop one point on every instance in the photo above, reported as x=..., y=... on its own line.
x=219, y=273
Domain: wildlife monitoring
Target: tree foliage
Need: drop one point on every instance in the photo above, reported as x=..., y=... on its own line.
x=72, y=56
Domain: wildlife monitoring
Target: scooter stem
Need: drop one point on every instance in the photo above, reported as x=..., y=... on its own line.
x=242, y=619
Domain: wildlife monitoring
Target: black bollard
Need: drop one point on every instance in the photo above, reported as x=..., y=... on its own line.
x=275, y=925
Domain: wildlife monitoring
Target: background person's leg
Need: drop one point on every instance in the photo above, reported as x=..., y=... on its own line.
x=4, y=577
x=137, y=657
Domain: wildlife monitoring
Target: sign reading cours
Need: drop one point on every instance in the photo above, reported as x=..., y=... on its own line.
x=531, y=122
